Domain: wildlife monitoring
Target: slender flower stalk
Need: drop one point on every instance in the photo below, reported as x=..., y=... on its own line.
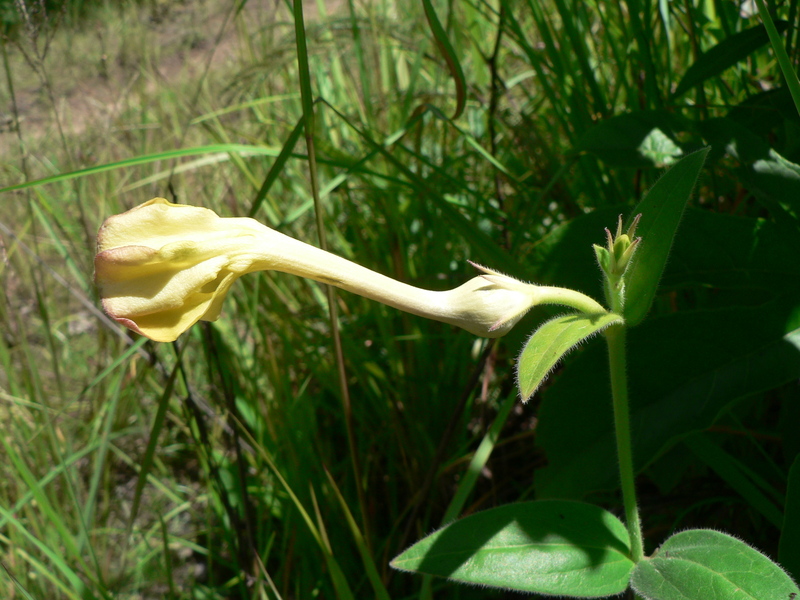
x=614, y=261
x=161, y=267
x=615, y=339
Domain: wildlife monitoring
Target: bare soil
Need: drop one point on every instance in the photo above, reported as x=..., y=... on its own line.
x=91, y=91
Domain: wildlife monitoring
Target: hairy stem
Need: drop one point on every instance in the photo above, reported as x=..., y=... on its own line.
x=615, y=338
x=568, y=297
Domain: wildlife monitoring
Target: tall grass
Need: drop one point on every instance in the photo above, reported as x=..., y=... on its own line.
x=224, y=466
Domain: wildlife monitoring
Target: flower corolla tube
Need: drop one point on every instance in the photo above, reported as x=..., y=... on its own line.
x=162, y=267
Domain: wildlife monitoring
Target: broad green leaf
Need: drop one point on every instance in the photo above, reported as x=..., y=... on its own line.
x=659, y=148
x=637, y=139
x=727, y=53
x=702, y=564
x=684, y=370
x=668, y=470
x=549, y=547
x=661, y=212
x=789, y=549
x=552, y=341
x=725, y=251
x=765, y=113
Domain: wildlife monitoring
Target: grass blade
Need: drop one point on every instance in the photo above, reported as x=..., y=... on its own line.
x=240, y=149
x=450, y=57
x=366, y=558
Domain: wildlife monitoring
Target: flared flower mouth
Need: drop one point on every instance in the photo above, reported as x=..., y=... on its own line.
x=162, y=267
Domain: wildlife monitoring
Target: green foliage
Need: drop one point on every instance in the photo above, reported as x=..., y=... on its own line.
x=486, y=549
x=661, y=212
x=553, y=340
x=701, y=563
x=674, y=360
x=789, y=553
x=550, y=547
x=726, y=54
x=637, y=139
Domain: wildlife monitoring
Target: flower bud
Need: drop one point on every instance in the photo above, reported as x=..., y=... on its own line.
x=616, y=256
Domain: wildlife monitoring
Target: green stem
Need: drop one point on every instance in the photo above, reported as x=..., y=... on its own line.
x=615, y=338
x=567, y=297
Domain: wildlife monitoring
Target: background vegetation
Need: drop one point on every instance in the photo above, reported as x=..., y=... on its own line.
x=231, y=464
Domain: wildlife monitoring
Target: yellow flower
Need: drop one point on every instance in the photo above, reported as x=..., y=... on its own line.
x=161, y=267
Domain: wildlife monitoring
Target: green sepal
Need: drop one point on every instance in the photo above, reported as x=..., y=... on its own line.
x=603, y=258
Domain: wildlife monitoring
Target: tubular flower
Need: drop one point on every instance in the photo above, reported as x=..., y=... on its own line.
x=161, y=267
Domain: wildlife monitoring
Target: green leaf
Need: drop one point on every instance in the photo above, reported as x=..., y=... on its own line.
x=661, y=212
x=789, y=549
x=636, y=140
x=701, y=564
x=730, y=252
x=552, y=341
x=658, y=148
x=668, y=470
x=764, y=113
x=724, y=55
x=550, y=547
x=684, y=368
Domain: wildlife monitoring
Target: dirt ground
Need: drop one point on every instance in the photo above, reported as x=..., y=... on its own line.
x=88, y=84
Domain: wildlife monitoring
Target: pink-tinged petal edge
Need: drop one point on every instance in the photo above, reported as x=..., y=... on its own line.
x=130, y=324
